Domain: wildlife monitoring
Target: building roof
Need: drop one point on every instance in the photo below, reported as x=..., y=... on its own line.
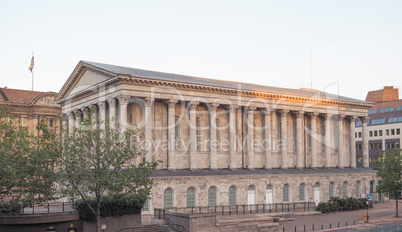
x=248, y=172
x=383, y=95
x=119, y=70
x=17, y=95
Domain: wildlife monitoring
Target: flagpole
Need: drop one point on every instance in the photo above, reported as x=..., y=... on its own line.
x=32, y=75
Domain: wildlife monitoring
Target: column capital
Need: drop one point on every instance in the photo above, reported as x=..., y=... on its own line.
x=85, y=110
x=70, y=114
x=77, y=112
x=65, y=116
x=364, y=119
x=283, y=113
x=232, y=108
x=112, y=102
x=123, y=99
x=313, y=115
x=352, y=118
x=341, y=116
x=214, y=106
x=101, y=104
x=299, y=114
x=328, y=116
x=266, y=111
x=149, y=101
x=251, y=109
x=171, y=103
x=92, y=106
x=193, y=105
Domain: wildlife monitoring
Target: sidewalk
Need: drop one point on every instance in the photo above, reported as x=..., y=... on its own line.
x=380, y=213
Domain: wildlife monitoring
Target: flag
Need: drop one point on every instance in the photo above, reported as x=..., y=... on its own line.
x=31, y=66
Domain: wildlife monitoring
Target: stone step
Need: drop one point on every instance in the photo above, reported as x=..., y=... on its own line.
x=154, y=228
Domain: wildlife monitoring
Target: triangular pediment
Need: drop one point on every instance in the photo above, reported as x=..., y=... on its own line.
x=84, y=76
x=88, y=79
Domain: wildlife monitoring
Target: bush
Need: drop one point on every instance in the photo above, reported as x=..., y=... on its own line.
x=341, y=204
x=129, y=204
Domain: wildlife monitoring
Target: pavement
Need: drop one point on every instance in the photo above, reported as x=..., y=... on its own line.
x=381, y=213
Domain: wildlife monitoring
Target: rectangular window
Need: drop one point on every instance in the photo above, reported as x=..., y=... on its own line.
x=355, y=134
x=373, y=111
x=398, y=131
x=392, y=131
x=177, y=132
x=371, y=133
x=24, y=121
x=146, y=206
x=399, y=108
x=375, y=133
x=387, y=132
x=360, y=134
x=51, y=123
x=380, y=132
x=396, y=144
x=380, y=146
x=371, y=146
x=375, y=146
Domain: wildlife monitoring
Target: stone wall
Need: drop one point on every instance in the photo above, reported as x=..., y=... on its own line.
x=309, y=177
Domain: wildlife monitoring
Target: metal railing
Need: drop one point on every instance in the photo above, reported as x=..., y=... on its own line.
x=170, y=221
x=240, y=209
x=157, y=222
x=57, y=207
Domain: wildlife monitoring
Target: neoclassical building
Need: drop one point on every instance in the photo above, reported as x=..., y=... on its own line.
x=227, y=143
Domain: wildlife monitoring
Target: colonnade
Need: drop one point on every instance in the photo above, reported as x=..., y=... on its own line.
x=74, y=117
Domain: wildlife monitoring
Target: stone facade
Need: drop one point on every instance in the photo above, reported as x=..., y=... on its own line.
x=198, y=125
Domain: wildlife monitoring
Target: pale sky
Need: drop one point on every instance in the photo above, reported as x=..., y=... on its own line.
x=356, y=44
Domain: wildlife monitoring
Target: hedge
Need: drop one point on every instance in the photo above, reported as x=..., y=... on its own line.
x=129, y=204
x=341, y=204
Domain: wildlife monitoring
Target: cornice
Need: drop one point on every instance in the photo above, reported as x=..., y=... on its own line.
x=29, y=105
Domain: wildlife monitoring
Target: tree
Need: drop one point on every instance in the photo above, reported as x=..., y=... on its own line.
x=98, y=165
x=26, y=163
x=390, y=171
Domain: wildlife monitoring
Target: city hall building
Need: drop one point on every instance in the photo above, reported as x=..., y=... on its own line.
x=228, y=143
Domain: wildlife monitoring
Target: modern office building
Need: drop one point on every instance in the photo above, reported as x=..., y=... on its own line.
x=384, y=125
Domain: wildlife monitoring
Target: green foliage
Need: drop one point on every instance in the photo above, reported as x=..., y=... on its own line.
x=341, y=204
x=126, y=205
x=98, y=163
x=25, y=164
x=390, y=171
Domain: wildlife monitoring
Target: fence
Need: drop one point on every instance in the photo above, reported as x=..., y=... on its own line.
x=58, y=207
x=240, y=209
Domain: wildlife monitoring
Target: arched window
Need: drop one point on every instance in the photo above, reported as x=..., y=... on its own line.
x=168, y=199
x=302, y=192
x=212, y=197
x=190, y=197
x=357, y=188
x=232, y=195
x=269, y=195
x=331, y=189
x=286, y=193
x=345, y=189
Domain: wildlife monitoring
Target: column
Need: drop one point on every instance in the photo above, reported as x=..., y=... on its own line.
x=267, y=144
x=193, y=135
x=171, y=133
x=71, y=123
x=213, y=146
x=352, y=145
x=313, y=134
x=85, y=113
x=328, y=140
x=284, y=138
x=94, y=114
x=123, y=102
x=232, y=136
x=112, y=112
x=77, y=114
x=102, y=114
x=250, y=136
x=148, y=128
x=365, y=142
x=299, y=140
x=341, y=148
